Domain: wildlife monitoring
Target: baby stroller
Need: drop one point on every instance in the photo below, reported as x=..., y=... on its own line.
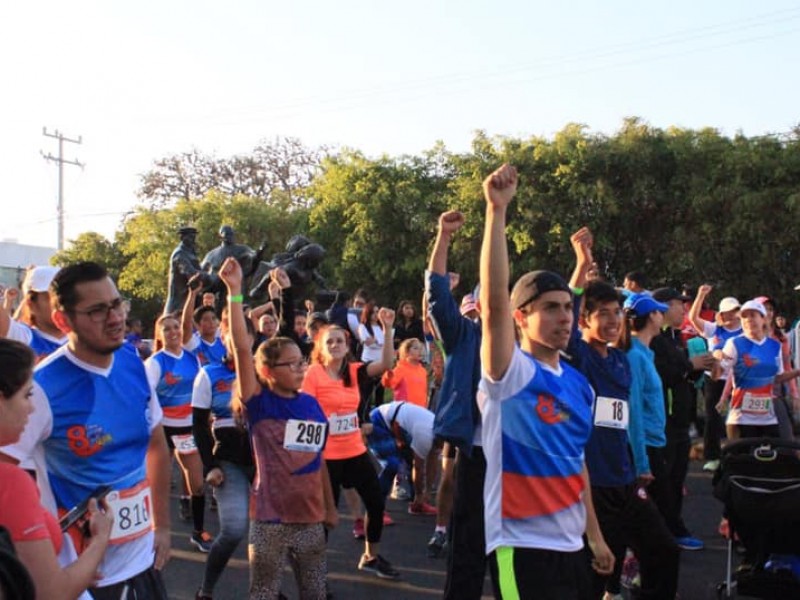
x=759, y=483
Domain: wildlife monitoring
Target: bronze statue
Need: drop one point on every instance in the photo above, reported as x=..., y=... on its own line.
x=300, y=261
x=183, y=266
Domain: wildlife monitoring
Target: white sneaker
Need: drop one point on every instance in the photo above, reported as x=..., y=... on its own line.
x=711, y=465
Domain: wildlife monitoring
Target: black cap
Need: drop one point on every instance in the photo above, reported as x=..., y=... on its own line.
x=187, y=229
x=317, y=317
x=532, y=285
x=667, y=294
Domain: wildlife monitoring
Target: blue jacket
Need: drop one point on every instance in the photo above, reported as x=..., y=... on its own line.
x=457, y=412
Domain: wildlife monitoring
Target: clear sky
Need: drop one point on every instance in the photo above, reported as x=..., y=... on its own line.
x=141, y=80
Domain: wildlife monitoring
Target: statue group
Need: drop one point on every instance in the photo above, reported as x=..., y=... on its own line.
x=300, y=260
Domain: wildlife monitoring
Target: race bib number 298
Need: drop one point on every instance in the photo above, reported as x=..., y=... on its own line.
x=304, y=436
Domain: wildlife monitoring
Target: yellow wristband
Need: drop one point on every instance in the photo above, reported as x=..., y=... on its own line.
x=238, y=298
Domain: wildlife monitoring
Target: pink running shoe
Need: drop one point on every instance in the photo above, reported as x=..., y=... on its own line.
x=387, y=520
x=421, y=508
x=358, y=529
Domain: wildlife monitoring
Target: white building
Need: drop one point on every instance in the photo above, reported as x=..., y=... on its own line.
x=16, y=258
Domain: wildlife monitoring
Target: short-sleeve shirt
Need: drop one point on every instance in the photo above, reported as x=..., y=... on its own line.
x=536, y=423
x=172, y=376
x=213, y=353
x=42, y=344
x=21, y=510
x=340, y=404
x=288, y=485
x=212, y=391
x=91, y=427
x=754, y=366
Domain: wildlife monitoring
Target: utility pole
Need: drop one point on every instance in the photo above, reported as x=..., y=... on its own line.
x=61, y=161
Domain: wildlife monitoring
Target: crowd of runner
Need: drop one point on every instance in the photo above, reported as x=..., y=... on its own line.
x=551, y=426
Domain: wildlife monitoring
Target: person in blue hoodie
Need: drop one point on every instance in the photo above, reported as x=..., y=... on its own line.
x=457, y=419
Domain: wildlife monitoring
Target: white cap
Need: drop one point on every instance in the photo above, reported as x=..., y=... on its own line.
x=756, y=306
x=729, y=303
x=38, y=279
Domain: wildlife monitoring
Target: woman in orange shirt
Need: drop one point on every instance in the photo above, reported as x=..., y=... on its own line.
x=334, y=380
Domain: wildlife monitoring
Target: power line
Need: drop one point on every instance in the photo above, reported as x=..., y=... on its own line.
x=61, y=161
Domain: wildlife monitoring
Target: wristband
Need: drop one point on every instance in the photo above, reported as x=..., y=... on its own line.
x=238, y=299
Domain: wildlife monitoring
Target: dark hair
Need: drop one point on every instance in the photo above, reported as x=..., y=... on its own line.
x=197, y=315
x=631, y=323
x=638, y=277
x=400, y=310
x=362, y=293
x=599, y=292
x=269, y=352
x=16, y=366
x=62, y=288
x=366, y=316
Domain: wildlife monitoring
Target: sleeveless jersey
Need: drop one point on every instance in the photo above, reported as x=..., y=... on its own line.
x=536, y=423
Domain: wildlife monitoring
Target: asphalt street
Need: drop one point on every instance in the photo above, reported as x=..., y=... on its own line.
x=404, y=544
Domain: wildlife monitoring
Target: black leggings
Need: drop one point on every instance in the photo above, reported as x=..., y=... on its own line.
x=357, y=472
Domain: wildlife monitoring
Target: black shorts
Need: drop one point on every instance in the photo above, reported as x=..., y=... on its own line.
x=543, y=574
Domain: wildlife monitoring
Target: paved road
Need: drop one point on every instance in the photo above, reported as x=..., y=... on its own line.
x=404, y=545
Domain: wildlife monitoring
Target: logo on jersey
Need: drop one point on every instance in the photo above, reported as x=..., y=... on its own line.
x=550, y=410
x=201, y=357
x=85, y=441
x=171, y=379
x=223, y=386
x=749, y=361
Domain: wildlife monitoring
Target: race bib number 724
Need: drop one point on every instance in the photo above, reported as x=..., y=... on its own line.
x=343, y=424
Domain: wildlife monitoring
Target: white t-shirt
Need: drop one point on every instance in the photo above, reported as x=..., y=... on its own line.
x=415, y=420
x=374, y=351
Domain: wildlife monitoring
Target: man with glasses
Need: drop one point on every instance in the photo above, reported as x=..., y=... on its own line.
x=96, y=423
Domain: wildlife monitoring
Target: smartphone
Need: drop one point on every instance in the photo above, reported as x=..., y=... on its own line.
x=79, y=511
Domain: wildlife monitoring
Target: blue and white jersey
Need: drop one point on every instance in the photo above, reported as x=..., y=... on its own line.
x=754, y=365
x=91, y=427
x=206, y=353
x=172, y=377
x=212, y=391
x=42, y=344
x=536, y=424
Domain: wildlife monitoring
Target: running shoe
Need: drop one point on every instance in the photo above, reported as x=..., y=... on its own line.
x=202, y=540
x=711, y=465
x=610, y=596
x=185, y=508
x=200, y=596
x=688, y=542
x=421, y=508
x=630, y=577
x=400, y=493
x=358, y=529
x=378, y=565
x=387, y=520
x=437, y=544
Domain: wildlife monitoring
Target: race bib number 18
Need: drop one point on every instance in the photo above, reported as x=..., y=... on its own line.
x=344, y=424
x=304, y=436
x=132, y=513
x=611, y=412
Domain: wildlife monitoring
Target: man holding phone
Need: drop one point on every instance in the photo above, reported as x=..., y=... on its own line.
x=97, y=423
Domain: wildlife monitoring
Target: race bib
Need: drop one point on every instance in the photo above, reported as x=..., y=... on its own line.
x=132, y=513
x=611, y=412
x=756, y=404
x=304, y=436
x=184, y=443
x=342, y=425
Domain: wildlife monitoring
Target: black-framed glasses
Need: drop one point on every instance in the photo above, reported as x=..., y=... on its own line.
x=296, y=366
x=100, y=312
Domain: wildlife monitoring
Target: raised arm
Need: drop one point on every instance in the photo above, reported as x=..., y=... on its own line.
x=246, y=382
x=188, y=308
x=386, y=317
x=449, y=222
x=497, y=345
x=694, y=312
x=581, y=241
